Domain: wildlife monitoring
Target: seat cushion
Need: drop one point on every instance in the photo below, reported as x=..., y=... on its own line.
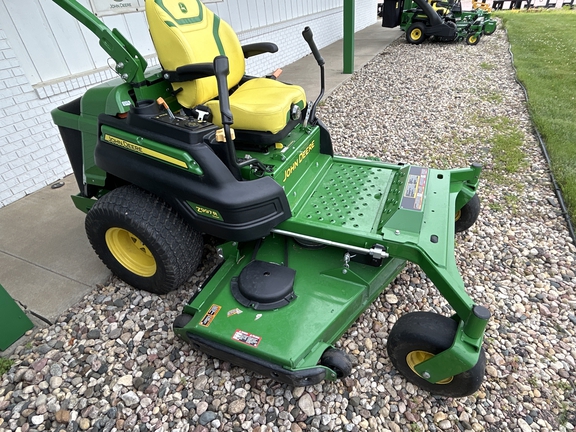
x=261, y=104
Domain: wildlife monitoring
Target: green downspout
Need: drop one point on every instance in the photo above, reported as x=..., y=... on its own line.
x=348, y=36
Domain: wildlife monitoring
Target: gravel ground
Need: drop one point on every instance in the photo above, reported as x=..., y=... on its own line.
x=112, y=362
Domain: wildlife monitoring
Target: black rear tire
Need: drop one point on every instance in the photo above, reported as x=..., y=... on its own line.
x=142, y=240
x=430, y=333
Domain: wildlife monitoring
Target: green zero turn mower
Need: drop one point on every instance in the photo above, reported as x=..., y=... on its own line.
x=451, y=10
x=309, y=239
x=421, y=20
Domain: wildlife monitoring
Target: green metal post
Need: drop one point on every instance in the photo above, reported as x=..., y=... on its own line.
x=348, y=53
x=13, y=321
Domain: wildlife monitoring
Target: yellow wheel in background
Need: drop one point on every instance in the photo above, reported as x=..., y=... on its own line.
x=131, y=252
x=416, y=34
x=472, y=39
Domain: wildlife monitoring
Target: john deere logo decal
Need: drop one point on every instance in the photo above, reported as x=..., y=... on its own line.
x=183, y=7
x=120, y=4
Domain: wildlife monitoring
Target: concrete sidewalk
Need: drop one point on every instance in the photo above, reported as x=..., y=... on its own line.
x=46, y=261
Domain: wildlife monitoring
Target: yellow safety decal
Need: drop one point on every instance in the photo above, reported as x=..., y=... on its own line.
x=144, y=150
x=210, y=315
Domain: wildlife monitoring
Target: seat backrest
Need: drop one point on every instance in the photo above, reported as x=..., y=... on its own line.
x=187, y=32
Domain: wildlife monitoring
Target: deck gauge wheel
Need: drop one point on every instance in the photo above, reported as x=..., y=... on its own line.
x=338, y=361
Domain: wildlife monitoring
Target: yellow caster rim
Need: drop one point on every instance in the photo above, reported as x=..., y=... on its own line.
x=131, y=252
x=416, y=357
x=416, y=34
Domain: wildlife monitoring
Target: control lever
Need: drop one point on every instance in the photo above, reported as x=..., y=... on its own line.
x=309, y=38
x=221, y=70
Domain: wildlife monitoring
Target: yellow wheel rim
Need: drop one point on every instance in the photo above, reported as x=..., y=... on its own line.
x=416, y=34
x=416, y=357
x=472, y=39
x=458, y=215
x=130, y=252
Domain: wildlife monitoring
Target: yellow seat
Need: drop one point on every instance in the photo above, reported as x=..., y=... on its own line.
x=481, y=5
x=186, y=32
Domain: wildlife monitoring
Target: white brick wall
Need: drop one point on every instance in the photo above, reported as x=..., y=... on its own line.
x=31, y=152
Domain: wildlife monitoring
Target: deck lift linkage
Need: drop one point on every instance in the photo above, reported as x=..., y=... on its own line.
x=308, y=239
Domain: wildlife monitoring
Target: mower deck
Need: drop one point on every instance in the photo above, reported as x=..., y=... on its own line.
x=286, y=343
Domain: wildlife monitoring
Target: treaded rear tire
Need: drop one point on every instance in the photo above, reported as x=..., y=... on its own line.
x=174, y=247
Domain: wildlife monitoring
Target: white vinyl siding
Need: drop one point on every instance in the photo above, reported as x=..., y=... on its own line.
x=52, y=45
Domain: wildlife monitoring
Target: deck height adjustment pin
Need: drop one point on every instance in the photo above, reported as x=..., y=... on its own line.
x=347, y=258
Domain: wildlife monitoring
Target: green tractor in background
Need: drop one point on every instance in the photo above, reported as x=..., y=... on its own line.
x=307, y=239
x=452, y=10
x=444, y=21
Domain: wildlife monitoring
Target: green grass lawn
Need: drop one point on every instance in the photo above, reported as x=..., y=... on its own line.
x=544, y=47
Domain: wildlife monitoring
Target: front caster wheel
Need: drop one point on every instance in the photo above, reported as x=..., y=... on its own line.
x=418, y=336
x=472, y=39
x=338, y=361
x=467, y=215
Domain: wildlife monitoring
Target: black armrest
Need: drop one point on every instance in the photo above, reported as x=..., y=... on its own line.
x=259, y=48
x=189, y=72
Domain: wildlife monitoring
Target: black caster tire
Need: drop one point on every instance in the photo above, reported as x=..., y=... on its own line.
x=415, y=33
x=338, y=361
x=472, y=39
x=418, y=336
x=467, y=215
x=142, y=240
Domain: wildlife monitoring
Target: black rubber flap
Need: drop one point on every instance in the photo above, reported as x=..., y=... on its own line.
x=264, y=286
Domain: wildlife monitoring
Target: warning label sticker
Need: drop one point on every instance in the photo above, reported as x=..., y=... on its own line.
x=246, y=338
x=413, y=197
x=210, y=315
